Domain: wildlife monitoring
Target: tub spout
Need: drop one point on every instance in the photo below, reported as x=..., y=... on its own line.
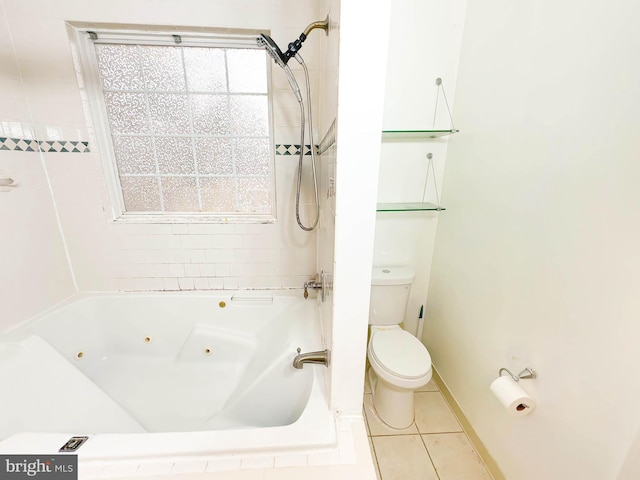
x=321, y=356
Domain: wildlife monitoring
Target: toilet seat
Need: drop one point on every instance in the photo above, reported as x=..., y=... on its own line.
x=400, y=354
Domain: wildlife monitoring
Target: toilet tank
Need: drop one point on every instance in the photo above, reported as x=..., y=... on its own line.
x=390, y=287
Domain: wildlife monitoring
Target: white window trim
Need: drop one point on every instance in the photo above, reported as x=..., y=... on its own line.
x=91, y=90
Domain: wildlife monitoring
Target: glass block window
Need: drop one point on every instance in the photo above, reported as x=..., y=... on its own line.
x=189, y=125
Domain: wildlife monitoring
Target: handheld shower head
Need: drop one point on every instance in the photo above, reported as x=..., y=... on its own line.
x=272, y=49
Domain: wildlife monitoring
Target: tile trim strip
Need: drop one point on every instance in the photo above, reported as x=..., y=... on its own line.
x=329, y=139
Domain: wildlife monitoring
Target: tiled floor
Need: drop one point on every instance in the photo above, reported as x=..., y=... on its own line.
x=434, y=447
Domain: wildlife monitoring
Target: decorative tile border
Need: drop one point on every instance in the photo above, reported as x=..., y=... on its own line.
x=53, y=146
x=19, y=144
x=46, y=146
x=289, y=149
x=64, y=146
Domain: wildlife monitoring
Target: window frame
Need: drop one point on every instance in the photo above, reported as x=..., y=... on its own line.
x=93, y=98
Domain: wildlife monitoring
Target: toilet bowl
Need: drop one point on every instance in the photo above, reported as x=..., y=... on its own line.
x=400, y=364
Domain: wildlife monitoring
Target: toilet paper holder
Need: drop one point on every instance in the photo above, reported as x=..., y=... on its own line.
x=527, y=373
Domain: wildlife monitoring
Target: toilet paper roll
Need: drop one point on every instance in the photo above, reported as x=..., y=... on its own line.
x=512, y=396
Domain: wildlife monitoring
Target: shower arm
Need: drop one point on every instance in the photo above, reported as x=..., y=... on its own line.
x=324, y=24
x=296, y=45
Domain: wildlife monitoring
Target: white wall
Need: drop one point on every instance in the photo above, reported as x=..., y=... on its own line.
x=109, y=256
x=360, y=109
x=536, y=259
x=424, y=44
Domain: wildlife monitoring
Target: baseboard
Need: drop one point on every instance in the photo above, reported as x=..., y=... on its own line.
x=488, y=460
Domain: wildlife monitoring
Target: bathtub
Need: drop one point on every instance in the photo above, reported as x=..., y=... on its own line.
x=156, y=375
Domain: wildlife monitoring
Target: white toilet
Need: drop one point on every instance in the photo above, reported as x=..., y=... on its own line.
x=400, y=363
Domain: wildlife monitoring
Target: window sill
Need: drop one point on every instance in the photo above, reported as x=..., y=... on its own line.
x=194, y=218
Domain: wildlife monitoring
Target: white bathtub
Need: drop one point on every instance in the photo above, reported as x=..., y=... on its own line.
x=161, y=375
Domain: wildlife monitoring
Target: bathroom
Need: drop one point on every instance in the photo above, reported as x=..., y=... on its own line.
x=534, y=263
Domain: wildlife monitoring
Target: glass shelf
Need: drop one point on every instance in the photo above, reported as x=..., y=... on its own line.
x=408, y=207
x=418, y=134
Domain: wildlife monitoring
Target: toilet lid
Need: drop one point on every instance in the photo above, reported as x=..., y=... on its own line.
x=400, y=353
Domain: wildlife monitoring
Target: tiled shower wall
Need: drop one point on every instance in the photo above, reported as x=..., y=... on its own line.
x=43, y=103
x=328, y=111
x=34, y=272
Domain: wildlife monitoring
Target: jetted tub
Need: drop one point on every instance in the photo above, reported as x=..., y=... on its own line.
x=165, y=374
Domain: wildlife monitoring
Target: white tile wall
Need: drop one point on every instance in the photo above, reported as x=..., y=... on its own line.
x=34, y=271
x=109, y=256
x=328, y=110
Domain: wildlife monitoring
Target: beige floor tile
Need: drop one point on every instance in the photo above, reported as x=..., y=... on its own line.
x=429, y=387
x=403, y=457
x=433, y=414
x=375, y=460
x=366, y=423
x=378, y=427
x=454, y=457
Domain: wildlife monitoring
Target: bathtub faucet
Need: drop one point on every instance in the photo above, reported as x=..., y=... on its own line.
x=321, y=356
x=318, y=282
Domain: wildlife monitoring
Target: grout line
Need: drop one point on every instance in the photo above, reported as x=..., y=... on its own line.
x=418, y=433
x=429, y=454
x=444, y=433
x=461, y=419
x=450, y=411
